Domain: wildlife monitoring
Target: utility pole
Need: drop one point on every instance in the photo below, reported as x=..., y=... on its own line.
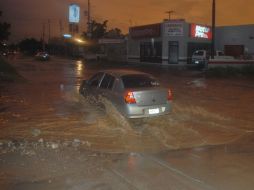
x=131, y=23
x=213, y=28
x=169, y=14
x=61, y=28
x=49, y=30
x=89, y=19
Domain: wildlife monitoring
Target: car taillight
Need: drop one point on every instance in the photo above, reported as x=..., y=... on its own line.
x=170, y=95
x=129, y=98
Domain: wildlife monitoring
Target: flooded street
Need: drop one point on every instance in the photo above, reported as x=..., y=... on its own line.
x=53, y=138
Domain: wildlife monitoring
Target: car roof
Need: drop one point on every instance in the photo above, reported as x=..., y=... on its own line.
x=122, y=72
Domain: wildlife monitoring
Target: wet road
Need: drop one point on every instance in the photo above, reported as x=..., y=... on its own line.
x=206, y=143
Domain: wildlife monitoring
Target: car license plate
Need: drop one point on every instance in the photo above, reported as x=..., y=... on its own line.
x=154, y=111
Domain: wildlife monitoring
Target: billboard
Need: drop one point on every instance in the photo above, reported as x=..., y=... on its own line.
x=201, y=31
x=146, y=31
x=74, y=13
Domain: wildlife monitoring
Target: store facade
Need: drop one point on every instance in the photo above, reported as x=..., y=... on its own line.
x=171, y=42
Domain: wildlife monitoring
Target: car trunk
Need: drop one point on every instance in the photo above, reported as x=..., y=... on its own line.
x=148, y=96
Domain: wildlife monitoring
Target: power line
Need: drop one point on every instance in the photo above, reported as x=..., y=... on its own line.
x=43, y=36
x=49, y=30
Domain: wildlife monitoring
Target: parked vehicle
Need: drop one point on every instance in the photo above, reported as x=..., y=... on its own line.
x=4, y=53
x=42, y=56
x=201, y=57
x=134, y=94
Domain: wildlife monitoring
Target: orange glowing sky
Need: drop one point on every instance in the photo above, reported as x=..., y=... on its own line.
x=27, y=16
x=122, y=13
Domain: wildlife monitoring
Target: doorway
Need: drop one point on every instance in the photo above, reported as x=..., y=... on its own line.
x=173, y=52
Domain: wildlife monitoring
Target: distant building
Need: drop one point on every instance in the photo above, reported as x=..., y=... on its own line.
x=174, y=41
x=236, y=41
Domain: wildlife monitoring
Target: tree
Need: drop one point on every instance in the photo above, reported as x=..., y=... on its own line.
x=30, y=46
x=98, y=30
x=4, y=30
x=114, y=33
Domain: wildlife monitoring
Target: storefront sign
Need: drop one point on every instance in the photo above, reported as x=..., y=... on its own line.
x=147, y=31
x=200, y=31
x=173, y=29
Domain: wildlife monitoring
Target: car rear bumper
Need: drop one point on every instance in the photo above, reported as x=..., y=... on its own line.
x=135, y=111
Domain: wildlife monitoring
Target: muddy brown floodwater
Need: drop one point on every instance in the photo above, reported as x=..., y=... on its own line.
x=48, y=108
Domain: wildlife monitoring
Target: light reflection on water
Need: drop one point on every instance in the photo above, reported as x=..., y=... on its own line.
x=79, y=73
x=79, y=68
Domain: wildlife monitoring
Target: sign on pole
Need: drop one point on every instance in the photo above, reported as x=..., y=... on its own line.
x=74, y=13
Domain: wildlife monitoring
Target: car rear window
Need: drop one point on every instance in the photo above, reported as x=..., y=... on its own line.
x=139, y=81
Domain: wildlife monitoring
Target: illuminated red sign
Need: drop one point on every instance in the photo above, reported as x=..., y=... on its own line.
x=201, y=31
x=146, y=31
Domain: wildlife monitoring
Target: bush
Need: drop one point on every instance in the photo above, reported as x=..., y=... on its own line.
x=248, y=70
x=230, y=71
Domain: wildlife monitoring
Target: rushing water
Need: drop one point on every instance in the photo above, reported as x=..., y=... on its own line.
x=49, y=106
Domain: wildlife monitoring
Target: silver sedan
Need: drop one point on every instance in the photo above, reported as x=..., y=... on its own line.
x=134, y=94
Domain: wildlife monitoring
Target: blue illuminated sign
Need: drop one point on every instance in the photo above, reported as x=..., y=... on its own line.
x=74, y=13
x=67, y=36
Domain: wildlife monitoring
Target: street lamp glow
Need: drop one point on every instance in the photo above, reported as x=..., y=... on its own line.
x=79, y=40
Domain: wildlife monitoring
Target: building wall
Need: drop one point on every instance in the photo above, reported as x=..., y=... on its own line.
x=181, y=42
x=235, y=35
x=116, y=52
x=133, y=48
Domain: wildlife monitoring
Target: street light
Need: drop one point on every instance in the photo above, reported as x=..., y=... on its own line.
x=80, y=41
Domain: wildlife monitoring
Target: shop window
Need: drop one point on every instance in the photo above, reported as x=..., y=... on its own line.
x=151, y=52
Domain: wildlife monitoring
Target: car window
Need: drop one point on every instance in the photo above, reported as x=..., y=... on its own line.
x=107, y=82
x=111, y=83
x=139, y=81
x=95, y=80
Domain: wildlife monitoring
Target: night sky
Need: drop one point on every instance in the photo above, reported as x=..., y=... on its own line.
x=28, y=16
